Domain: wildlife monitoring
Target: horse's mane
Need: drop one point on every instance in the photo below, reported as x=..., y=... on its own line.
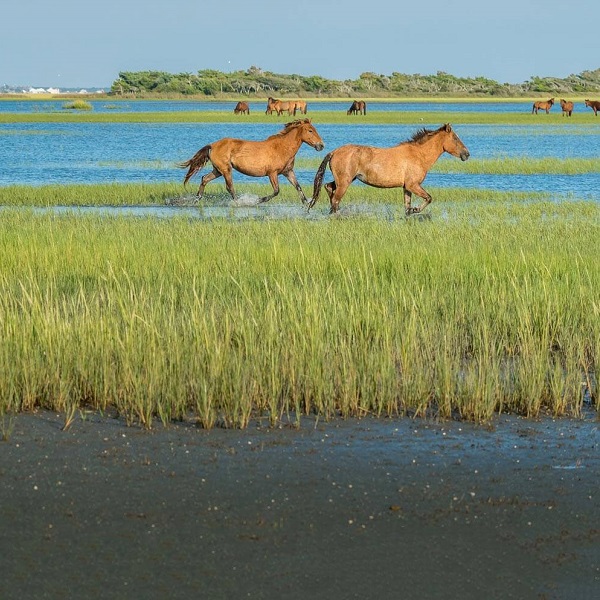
x=289, y=126
x=422, y=135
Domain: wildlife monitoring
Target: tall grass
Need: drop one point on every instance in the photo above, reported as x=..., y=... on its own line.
x=483, y=311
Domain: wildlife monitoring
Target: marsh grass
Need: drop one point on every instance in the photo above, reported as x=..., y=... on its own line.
x=142, y=194
x=78, y=104
x=486, y=310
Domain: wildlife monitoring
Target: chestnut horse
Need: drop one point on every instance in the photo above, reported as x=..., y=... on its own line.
x=567, y=108
x=268, y=158
x=241, y=108
x=404, y=165
x=594, y=105
x=357, y=107
x=542, y=105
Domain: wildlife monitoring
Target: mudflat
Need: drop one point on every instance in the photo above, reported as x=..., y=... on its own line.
x=369, y=508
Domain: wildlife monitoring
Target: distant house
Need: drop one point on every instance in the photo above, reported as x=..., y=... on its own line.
x=50, y=90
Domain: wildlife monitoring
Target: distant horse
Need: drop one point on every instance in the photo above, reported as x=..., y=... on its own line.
x=404, y=165
x=567, y=108
x=281, y=106
x=542, y=105
x=268, y=158
x=241, y=108
x=594, y=105
x=272, y=106
x=301, y=107
x=357, y=107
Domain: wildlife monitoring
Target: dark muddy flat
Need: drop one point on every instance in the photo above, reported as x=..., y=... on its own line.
x=347, y=509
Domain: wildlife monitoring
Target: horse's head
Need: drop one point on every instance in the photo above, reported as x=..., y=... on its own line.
x=310, y=135
x=453, y=144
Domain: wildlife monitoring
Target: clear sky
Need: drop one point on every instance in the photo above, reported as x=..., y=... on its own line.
x=74, y=43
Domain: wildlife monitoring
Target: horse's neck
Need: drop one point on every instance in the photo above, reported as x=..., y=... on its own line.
x=291, y=139
x=432, y=150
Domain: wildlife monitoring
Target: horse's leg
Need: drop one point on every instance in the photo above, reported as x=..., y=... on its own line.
x=419, y=191
x=214, y=174
x=408, y=209
x=228, y=182
x=336, y=193
x=275, y=183
x=330, y=189
x=291, y=177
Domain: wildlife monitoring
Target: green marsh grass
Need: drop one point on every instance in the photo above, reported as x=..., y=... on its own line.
x=158, y=194
x=493, y=307
x=78, y=104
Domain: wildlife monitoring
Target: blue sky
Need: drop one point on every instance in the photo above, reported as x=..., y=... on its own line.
x=70, y=43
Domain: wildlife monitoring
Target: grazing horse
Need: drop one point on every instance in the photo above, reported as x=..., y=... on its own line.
x=594, y=105
x=542, y=105
x=357, y=107
x=567, y=108
x=241, y=108
x=267, y=158
x=404, y=165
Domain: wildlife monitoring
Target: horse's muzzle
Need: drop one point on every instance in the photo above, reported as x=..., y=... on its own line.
x=464, y=155
x=319, y=147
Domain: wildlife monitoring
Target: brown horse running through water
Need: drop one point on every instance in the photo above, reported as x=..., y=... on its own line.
x=567, y=108
x=268, y=158
x=594, y=105
x=404, y=165
x=357, y=107
x=542, y=105
x=241, y=108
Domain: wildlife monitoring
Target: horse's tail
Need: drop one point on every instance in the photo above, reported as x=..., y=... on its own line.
x=196, y=162
x=319, y=180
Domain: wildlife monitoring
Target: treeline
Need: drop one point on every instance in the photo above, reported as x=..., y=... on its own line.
x=254, y=82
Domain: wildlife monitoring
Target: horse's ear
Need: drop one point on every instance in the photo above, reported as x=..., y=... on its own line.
x=448, y=127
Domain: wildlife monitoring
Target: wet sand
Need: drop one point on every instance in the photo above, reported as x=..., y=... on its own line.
x=346, y=509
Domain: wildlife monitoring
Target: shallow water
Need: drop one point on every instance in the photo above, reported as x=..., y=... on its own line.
x=68, y=153
x=113, y=105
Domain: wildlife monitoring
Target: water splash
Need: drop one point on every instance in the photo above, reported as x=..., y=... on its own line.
x=246, y=200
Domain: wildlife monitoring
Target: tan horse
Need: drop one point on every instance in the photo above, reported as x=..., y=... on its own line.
x=357, y=107
x=594, y=105
x=404, y=165
x=567, y=108
x=281, y=106
x=542, y=105
x=272, y=105
x=301, y=107
x=241, y=108
x=268, y=158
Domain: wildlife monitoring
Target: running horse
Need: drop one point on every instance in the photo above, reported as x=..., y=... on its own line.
x=594, y=105
x=567, y=108
x=267, y=158
x=404, y=165
x=241, y=108
x=357, y=107
x=542, y=105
